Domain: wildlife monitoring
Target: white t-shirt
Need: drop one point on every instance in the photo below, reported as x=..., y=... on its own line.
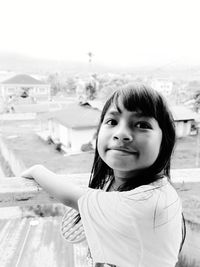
x=136, y=228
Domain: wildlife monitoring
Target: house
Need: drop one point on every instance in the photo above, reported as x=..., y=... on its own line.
x=71, y=127
x=25, y=87
x=183, y=118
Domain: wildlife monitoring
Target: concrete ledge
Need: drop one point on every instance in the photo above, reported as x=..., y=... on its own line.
x=185, y=175
x=20, y=191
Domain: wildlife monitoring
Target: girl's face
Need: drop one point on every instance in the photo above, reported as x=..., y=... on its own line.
x=128, y=141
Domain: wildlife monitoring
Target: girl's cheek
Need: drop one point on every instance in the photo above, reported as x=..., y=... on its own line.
x=103, y=132
x=99, y=144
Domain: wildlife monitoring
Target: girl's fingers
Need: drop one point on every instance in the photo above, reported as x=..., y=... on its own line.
x=29, y=173
x=26, y=174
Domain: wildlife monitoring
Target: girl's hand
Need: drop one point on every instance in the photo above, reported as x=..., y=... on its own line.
x=30, y=172
x=62, y=189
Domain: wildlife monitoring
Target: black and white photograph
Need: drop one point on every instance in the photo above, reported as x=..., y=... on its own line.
x=99, y=133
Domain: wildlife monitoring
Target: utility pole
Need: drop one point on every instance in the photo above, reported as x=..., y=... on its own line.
x=90, y=55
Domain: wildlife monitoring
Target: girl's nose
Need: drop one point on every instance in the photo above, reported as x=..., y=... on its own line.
x=123, y=134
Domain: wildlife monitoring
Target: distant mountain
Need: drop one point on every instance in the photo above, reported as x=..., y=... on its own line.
x=19, y=63
x=24, y=64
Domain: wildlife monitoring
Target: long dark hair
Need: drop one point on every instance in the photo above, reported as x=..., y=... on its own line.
x=141, y=98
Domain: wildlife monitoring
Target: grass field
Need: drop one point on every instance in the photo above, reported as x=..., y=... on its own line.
x=190, y=196
x=31, y=149
x=185, y=153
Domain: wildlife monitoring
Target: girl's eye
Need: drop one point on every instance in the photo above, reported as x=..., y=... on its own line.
x=143, y=125
x=111, y=122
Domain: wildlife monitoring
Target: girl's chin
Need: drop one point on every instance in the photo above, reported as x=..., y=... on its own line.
x=133, y=167
x=121, y=166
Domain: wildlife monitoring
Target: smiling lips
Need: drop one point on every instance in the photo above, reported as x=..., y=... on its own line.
x=123, y=150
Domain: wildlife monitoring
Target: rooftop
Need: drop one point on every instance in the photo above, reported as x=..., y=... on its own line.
x=34, y=242
x=182, y=113
x=76, y=116
x=22, y=79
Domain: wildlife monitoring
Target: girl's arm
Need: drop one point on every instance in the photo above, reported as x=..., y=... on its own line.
x=65, y=191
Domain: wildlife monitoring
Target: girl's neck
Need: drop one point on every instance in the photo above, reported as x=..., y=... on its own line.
x=122, y=177
x=132, y=179
x=119, y=179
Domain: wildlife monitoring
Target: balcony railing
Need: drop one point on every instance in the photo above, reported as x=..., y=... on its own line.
x=17, y=191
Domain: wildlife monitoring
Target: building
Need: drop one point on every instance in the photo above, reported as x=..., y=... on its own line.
x=25, y=87
x=183, y=118
x=71, y=127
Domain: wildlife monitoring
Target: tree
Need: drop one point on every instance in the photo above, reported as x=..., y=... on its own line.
x=53, y=79
x=110, y=85
x=90, y=88
x=71, y=85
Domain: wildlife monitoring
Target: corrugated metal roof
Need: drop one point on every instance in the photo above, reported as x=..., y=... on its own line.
x=34, y=243
x=181, y=113
x=22, y=79
x=75, y=116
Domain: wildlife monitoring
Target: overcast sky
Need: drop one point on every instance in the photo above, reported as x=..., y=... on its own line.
x=126, y=32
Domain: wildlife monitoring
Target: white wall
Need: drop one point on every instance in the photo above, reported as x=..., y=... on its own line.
x=35, y=90
x=80, y=137
x=54, y=130
x=72, y=139
x=183, y=128
x=65, y=134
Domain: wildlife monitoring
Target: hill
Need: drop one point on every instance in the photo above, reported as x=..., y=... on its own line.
x=24, y=64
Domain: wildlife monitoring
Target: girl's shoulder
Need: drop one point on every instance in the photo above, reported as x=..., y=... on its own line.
x=158, y=197
x=145, y=192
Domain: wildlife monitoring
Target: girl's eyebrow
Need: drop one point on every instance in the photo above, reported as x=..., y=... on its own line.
x=118, y=111
x=113, y=112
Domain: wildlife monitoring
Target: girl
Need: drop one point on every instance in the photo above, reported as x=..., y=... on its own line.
x=137, y=221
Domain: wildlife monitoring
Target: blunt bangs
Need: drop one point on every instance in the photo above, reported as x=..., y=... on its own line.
x=139, y=98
